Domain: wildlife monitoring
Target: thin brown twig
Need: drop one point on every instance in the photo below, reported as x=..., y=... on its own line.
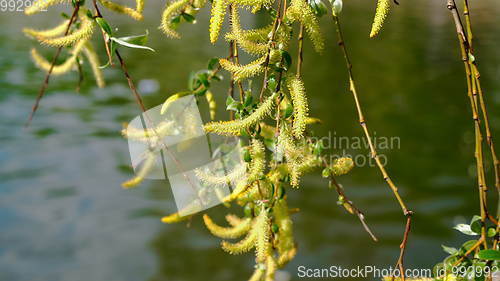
x=473, y=86
x=300, y=57
x=80, y=74
x=46, y=81
x=362, y=121
x=104, y=36
x=355, y=209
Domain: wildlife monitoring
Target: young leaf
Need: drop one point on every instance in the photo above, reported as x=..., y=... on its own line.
x=465, y=229
x=212, y=63
x=450, y=250
x=104, y=25
x=123, y=41
x=493, y=255
x=475, y=224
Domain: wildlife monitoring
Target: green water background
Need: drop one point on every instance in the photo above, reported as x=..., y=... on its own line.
x=64, y=216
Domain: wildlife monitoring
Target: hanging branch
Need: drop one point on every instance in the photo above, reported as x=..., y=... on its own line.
x=45, y=84
x=374, y=154
x=476, y=98
x=353, y=207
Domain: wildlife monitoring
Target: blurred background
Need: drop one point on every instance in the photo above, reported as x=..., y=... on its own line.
x=64, y=216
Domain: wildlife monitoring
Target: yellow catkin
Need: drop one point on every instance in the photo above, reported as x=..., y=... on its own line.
x=217, y=18
x=301, y=11
x=241, y=72
x=149, y=135
x=83, y=33
x=233, y=220
x=212, y=104
x=52, y=32
x=287, y=146
x=143, y=171
x=259, y=35
x=42, y=5
x=230, y=178
x=271, y=267
x=94, y=64
x=255, y=172
x=228, y=232
x=133, y=13
x=139, y=5
x=65, y=67
x=172, y=10
x=286, y=245
x=299, y=168
x=174, y=218
x=253, y=3
x=258, y=163
x=342, y=166
x=383, y=7
x=237, y=34
x=262, y=231
x=300, y=106
x=240, y=247
x=43, y=64
x=257, y=274
x=234, y=127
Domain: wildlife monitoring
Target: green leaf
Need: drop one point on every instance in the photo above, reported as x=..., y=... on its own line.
x=189, y=18
x=288, y=111
x=492, y=231
x=318, y=7
x=325, y=173
x=336, y=7
x=450, y=250
x=64, y=15
x=212, y=63
x=231, y=104
x=248, y=99
x=287, y=59
x=467, y=245
x=89, y=14
x=104, y=25
x=465, y=229
x=475, y=224
x=493, y=255
x=246, y=156
x=137, y=39
x=134, y=42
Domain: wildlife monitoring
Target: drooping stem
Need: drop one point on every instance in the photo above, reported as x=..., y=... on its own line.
x=373, y=151
x=362, y=120
x=476, y=98
x=359, y=213
x=477, y=77
x=46, y=81
x=300, y=57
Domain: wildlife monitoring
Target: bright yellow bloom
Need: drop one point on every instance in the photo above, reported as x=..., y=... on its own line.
x=172, y=10
x=234, y=127
x=133, y=13
x=383, y=7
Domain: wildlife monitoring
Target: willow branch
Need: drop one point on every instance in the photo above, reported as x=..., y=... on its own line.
x=357, y=211
x=473, y=90
x=46, y=81
x=300, y=57
x=374, y=154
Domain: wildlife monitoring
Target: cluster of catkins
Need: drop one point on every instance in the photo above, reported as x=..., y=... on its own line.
x=279, y=150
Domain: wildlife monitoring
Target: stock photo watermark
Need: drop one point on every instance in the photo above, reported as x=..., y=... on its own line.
x=358, y=148
x=375, y=272
x=19, y=5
